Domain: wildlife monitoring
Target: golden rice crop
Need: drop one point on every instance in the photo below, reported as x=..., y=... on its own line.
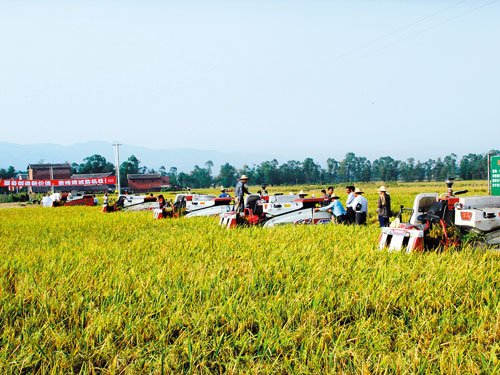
x=86, y=292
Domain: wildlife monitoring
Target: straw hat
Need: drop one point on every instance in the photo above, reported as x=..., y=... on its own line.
x=302, y=192
x=222, y=188
x=244, y=177
x=382, y=188
x=358, y=191
x=334, y=196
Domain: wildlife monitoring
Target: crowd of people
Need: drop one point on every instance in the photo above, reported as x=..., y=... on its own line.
x=356, y=205
x=355, y=210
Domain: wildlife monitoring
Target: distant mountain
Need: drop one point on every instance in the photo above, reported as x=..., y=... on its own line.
x=184, y=159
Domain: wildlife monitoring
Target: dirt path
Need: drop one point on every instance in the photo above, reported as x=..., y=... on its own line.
x=13, y=205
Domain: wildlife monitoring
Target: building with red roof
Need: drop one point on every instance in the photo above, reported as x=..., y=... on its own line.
x=143, y=183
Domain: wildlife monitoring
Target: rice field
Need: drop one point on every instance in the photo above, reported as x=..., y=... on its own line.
x=85, y=292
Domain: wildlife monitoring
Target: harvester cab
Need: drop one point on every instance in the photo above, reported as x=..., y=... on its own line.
x=174, y=208
x=252, y=214
x=451, y=215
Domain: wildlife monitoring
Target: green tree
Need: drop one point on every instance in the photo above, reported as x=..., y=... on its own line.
x=420, y=171
x=474, y=166
x=131, y=166
x=440, y=171
x=9, y=173
x=172, y=175
x=291, y=173
x=333, y=170
x=227, y=175
x=200, y=177
x=95, y=164
x=386, y=168
x=407, y=170
x=311, y=171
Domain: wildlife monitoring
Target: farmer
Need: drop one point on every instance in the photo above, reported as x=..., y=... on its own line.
x=360, y=207
x=161, y=201
x=383, y=207
x=330, y=191
x=335, y=208
x=351, y=215
x=325, y=197
x=239, y=193
x=223, y=193
x=105, y=198
x=47, y=201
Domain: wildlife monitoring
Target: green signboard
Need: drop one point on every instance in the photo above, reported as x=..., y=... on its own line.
x=495, y=175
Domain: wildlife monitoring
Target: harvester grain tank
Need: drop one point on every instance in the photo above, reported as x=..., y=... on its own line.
x=132, y=203
x=72, y=199
x=193, y=205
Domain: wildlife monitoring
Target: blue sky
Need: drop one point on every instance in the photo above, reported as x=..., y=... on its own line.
x=295, y=79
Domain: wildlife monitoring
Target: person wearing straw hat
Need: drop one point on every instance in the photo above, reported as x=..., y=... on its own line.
x=360, y=207
x=383, y=207
x=335, y=208
x=239, y=193
x=223, y=193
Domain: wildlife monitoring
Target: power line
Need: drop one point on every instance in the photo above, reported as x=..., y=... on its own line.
x=423, y=31
x=382, y=37
x=117, y=167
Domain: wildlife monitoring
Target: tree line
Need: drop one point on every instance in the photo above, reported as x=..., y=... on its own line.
x=351, y=168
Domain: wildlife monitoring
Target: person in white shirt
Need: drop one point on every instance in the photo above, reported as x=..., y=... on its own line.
x=46, y=201
x=360, y=204
x=351, y=215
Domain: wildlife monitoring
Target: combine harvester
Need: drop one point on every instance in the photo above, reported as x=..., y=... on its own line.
x=193, y=205
x=278, y=209
x=441, y=220
x=132, y=203
x=72, y=199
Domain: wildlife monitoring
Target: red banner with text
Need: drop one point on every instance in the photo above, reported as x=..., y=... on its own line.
x=55, y=183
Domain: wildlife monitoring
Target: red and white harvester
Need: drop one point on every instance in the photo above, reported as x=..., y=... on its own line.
x=441, y=220
x=193, y=205
x=72, y=199
x=132, y=203
x=278, y=209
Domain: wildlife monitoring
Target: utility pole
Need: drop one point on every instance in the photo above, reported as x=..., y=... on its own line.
x=117, y=166
x=52, y=177
x=489, y=176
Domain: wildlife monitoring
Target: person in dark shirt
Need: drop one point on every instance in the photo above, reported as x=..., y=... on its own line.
x=351, y=214
x=161, y=200
x=326, y=197
x=239, y=193
x=383, y=207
